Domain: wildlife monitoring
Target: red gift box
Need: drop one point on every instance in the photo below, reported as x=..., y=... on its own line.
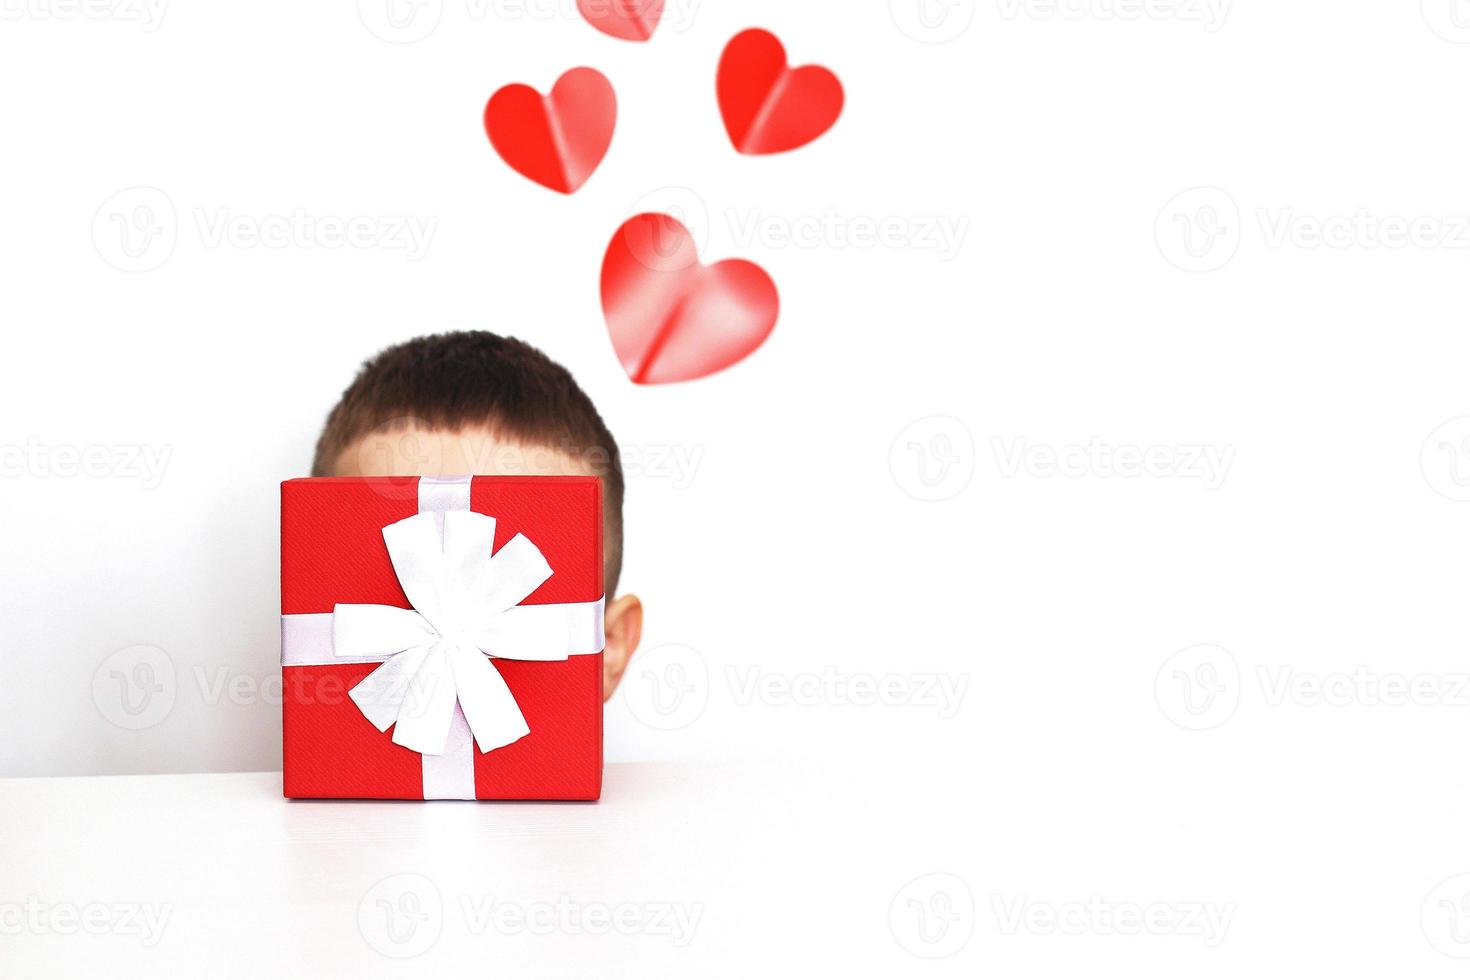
x=350, y=547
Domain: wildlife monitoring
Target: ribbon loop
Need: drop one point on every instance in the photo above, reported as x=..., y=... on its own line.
x=465, y=610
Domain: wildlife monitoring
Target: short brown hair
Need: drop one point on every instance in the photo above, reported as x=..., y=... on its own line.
x=453, y=381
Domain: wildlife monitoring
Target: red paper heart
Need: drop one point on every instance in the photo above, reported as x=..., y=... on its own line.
x=768, y=106
x=628, y=20
x=672, y=319
x=557, y=140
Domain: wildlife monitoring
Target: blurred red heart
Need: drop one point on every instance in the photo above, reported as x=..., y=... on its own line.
x=557, y=140
x=672, y=319
x=628, y=20
x=768, y=106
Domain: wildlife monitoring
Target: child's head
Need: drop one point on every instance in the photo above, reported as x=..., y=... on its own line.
x=478, y=404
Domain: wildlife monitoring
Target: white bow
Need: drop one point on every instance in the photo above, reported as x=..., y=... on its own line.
x=464, y=612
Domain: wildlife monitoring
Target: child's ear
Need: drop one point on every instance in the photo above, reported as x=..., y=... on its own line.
x=623, y=626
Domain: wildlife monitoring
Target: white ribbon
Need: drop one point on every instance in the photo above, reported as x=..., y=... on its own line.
x=464, y=611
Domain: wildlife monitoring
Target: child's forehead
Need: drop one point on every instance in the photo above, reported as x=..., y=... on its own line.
x=416, y=449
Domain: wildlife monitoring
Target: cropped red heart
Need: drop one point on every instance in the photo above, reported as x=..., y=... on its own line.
x=673, y=319
x=557, y=140
x=768, y=106
x=628, y=20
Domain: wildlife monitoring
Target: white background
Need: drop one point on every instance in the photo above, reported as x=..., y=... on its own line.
x=1192, y=230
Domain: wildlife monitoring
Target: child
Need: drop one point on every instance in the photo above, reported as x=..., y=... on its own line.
x=475, y=403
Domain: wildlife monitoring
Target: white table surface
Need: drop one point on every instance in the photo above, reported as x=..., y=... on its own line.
x=777, y=867
x=245, y=883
